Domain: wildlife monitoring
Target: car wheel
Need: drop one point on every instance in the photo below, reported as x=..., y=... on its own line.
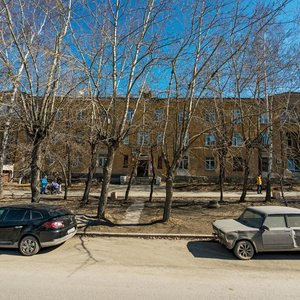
x=29, y=245
x=244, y=250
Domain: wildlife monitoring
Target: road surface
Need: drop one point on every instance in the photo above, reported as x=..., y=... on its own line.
x=120, y=268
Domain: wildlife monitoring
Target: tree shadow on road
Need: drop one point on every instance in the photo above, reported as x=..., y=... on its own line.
x=87, y=222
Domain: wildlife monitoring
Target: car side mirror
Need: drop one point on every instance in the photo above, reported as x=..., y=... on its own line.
x=264, y=228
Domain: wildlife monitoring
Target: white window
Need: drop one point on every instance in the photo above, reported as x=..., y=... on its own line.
x=237, y=140
x=125, y=140
x=265, y=139
x=186, y=139
x=102, y=161
x=158, y=114
x=159, y=138
x=143, y=138
x=129, y=115
x=58, y=115
x=79, y=138
x=105, y=118
x=210, y=139
x=264, y=118
x=209, y=163
x=237, y=118
x=183, y=114
x=210, y=116
x=78, y=160
x=80, y=115
x=184, y=163
x=3, y=109
x=293, y=165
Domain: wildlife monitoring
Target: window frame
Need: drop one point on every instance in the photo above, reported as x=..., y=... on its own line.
x=236, y=136
x=237, y=167
x=208, y=141
x=209, y=161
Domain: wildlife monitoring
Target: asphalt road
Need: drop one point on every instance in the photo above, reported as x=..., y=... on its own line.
x=120, y=268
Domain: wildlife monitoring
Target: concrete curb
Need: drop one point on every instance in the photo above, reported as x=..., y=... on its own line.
x=147, y=235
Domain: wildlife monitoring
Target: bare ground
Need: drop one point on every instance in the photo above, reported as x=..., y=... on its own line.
x=187, y=216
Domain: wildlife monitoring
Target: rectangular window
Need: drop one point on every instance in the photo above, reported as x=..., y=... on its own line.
x=209, y=163
x=210, y=116
x=293, y=165
x=265, y=139
x=129, y=115
x=264, y=118
x=159, y=162
x=184, y=164
x=210, y=139
x=289, y=140
x=125, y=161
x=237, y=117
x=159, y=138
x=237, y=140
x=143, y=138
x=58, y=115
x=105, y=118
x=237, y=164
x=125, y=140
x=4, y=109
x=80, y=115
x=264, y=164
x=183, y=115
x=79, y=138
x=158, y=115
x=78, y=160
x=102, y=161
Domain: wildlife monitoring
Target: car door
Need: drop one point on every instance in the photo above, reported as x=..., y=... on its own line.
x=278, y=236
x=11, y=225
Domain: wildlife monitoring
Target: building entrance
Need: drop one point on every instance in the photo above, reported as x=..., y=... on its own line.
x=142, y=168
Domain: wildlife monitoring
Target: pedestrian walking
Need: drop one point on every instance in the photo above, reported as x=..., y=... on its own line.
x=259, y=184
x=44, y=183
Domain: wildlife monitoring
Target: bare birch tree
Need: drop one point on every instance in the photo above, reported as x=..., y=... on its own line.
x=206, y=35
x=37, y=30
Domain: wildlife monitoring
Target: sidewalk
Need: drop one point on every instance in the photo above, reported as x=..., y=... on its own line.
x=143, y=191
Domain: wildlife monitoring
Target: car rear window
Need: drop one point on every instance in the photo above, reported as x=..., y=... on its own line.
x=59, y=211
x=293, y=220
x=36, y=215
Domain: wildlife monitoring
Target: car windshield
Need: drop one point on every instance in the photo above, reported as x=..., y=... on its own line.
x=251, y=218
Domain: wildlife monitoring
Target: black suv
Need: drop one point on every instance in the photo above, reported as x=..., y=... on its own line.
x=31, y=227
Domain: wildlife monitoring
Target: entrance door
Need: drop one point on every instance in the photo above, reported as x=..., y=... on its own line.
x=142, y=168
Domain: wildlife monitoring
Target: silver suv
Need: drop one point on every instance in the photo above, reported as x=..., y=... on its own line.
x=260, y=229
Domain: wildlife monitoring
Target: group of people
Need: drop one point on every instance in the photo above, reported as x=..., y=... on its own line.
x=53, y=187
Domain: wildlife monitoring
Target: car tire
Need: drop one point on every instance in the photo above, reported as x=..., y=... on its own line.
x=29, y=245
x=244, y=250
